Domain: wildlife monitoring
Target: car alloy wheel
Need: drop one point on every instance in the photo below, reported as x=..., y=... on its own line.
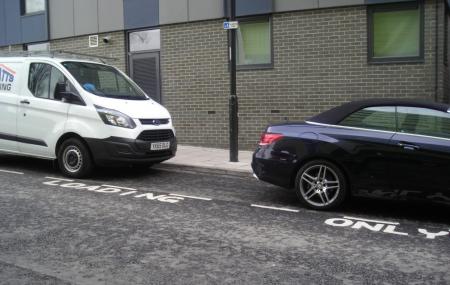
x=321, y=185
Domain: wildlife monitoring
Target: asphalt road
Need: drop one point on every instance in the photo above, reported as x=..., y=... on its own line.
x=171, y=226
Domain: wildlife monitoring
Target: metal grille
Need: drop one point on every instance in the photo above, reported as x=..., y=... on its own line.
x=156, y=135
x=155, y=122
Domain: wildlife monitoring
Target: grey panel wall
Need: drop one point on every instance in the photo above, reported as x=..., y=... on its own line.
x=205, y=9
x=13, y=23
x=34, y=28
x=110, y=15
x=384, y=1
x=337, y=3
x=251, y=7
x=141, y=13
x=61, y=18
x=290, y=5
x=86, y=17
x=173, y=11
x=2, y=24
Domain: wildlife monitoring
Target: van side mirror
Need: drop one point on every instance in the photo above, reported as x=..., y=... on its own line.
x=72, y=98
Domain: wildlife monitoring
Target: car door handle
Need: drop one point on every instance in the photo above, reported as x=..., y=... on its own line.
x=25, y=102
x=408, y=146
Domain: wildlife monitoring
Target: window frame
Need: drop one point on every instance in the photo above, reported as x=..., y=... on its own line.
x=372, y=9
x=23, y=8
x=243, y=67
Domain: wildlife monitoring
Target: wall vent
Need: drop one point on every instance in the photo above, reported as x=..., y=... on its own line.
x=93, y=41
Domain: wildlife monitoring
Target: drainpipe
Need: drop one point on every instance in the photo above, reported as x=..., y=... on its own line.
x=436, y=95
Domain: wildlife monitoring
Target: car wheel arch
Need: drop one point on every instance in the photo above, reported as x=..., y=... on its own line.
x=67, y=136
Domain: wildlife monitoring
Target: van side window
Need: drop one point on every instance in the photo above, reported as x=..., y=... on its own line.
x=43, y=81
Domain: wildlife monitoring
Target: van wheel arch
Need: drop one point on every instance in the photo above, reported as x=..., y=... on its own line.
x=67, y=136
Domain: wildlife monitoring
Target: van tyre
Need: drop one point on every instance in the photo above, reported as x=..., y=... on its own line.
x=321, y=185
x=74, y=159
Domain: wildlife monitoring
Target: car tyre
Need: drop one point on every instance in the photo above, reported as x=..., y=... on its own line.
x=74, y=159
x=321, y=185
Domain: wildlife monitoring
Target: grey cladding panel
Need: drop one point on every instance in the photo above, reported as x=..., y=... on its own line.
x=2, y=24
x=34, y=28
x=384, y=1
x=110, y=15
x=141, y=13
x=293, y=5
x=173, y=11
x=205, y=9
x=61, y=18
x=86, y=17
x=13, y=23
x=337, y=3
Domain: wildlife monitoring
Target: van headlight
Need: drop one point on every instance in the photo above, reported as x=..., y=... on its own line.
x=115, y=118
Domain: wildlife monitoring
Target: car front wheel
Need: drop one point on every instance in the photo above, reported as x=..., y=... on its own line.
x=321, y=185
x=74, y=159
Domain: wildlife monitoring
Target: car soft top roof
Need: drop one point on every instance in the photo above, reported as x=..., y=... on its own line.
x=336, y=115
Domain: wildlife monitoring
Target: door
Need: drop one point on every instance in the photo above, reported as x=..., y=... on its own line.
x=144, y=69
x=9, y=88
x=42, y=115
x=420, y=167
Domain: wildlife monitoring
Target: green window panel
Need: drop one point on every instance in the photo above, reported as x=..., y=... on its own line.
x=254, y=43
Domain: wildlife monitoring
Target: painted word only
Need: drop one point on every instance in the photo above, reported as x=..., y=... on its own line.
x=379, y=226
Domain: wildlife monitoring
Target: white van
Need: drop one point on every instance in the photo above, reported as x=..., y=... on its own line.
x=80, y=113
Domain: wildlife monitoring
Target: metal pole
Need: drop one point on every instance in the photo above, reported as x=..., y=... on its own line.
x=233, y=100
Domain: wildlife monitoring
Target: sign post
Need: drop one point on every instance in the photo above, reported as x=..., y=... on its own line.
x=231, y=26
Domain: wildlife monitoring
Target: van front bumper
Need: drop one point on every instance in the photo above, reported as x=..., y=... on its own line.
x=121, y=151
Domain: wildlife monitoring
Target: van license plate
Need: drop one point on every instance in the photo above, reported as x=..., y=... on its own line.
x=160, y=146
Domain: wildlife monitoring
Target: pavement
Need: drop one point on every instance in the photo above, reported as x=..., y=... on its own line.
x=211, y=158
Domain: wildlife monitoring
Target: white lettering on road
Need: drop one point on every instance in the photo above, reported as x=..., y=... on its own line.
x=377, y=226
x=110, y=189
x=433, y=235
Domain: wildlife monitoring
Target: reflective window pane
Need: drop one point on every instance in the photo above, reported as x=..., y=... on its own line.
x=375, y=118
x=33, y=6
x=145, y=40
x=423, y=121
x=254, y=43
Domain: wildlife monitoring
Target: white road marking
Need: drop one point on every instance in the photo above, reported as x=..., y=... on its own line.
x=12, y=172
x=372, y=221
x=191, y=197
x=126, y=188
x=275, y=208
x=62, y=179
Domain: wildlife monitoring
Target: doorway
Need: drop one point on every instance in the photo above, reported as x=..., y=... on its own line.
x=145, y=71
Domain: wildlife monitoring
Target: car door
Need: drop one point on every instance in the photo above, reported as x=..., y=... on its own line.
x=420, y=166
x=365, y=137
x=42, y=116
x=9, y=89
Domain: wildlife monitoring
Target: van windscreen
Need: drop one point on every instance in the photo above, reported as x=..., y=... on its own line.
x=105, y=81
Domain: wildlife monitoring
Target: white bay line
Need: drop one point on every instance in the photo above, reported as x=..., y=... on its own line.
x=12, y=172
x=126, y=188
x=191, y=197
x=275, y=208
x=371, y=221
x=62, y=179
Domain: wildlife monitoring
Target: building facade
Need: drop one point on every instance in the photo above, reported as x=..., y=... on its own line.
x=295, y=57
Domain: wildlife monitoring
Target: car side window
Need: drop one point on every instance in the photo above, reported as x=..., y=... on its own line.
x=375, y=118
x=43, y=80
x=423, y=121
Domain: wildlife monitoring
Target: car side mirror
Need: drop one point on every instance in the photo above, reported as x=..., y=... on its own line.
x=72, y=98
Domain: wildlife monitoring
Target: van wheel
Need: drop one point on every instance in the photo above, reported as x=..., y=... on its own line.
x=74, y=159
x=321, y=185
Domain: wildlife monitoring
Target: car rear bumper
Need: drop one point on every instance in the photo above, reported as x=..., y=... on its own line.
x=114, y=151
x=270, y=168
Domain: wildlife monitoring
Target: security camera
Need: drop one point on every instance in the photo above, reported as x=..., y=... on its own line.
x=106, y=39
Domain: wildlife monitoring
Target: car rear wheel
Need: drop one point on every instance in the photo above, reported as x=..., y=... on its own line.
x=321, y=185
x=74, y=159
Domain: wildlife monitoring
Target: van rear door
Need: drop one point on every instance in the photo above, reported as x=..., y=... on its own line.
x=9, y=82
x=42, y=114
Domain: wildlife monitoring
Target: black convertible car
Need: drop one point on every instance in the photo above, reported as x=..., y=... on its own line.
x=386, y=148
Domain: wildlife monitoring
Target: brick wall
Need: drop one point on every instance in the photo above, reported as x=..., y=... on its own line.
x=320, y=61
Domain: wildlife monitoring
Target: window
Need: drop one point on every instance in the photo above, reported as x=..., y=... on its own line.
x=396, y=32
x=38, y=47
x=33, y=6
x=254, y=43
x=144, y=40
x=376, y=118
x=423, y=122
x=43, y=80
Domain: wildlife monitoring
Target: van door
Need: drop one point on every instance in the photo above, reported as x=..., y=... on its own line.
x=9, y=86
x=42, y=115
